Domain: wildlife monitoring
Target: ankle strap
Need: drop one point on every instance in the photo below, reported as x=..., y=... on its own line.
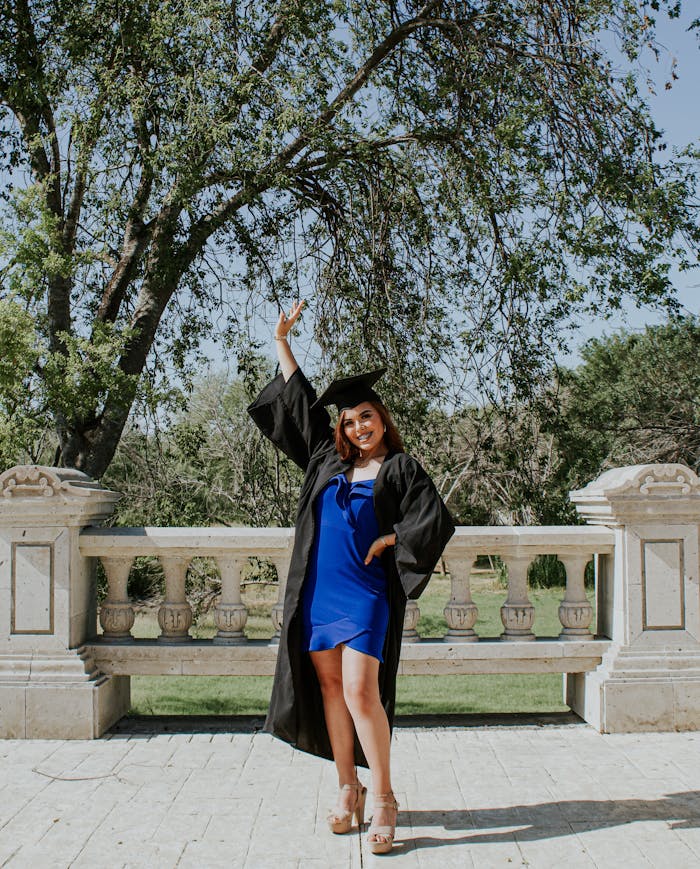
x=352, y=786
x=385, y=801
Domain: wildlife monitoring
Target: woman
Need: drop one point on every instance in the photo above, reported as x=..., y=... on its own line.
x=370, y=529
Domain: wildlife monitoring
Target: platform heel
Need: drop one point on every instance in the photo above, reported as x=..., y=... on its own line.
x=341, y=822
x=383, y=801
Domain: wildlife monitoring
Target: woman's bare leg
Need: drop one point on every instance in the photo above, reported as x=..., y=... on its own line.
x=339, y=723
x=360, y=674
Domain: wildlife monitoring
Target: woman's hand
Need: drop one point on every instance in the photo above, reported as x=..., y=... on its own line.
x=379, y=545
x=288, y=364
x=286, y=321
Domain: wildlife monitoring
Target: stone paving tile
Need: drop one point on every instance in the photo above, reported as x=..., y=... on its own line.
x=197, y=855
x=261, y=861
x=497, y=848
x=26, y=827
x=107, y=855
x=423, y=836
x=202, y=783
x=663, y=847
x=227, y=816
x=614, y=845
x=690, y=836
x=64, y=840
x=553, y=847
x=185, y=826
x=36, y=856
x=17, y=840
x=192, y=757
x=233, y=753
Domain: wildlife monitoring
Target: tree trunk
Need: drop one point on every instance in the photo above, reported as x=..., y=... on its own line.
x=90, y=448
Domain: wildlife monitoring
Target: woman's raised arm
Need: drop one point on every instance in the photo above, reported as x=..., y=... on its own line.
x=288, y=364
x=284, y=411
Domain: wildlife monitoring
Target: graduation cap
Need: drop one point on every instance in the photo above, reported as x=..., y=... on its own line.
x=351, y=391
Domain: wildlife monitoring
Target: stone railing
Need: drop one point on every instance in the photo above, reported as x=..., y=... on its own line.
x=637, y=668
x=231, y=548
x=118, y=653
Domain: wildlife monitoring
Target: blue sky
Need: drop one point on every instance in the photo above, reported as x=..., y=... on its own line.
x=676, y=113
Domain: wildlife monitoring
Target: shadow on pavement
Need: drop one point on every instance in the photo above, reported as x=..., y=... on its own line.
x=152, y=725
x=547, y=820
x=138, y=725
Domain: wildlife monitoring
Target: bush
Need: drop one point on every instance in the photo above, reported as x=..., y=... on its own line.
x=546, y=571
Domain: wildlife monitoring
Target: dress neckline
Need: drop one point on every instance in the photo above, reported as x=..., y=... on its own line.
x=354, y=482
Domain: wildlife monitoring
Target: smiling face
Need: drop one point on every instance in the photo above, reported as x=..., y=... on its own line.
x=363, y=426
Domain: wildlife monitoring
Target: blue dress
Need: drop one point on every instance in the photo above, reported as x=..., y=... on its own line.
x=345, y=600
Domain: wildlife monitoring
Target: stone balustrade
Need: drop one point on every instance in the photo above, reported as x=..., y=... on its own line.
x=175, y=548
x=60, y=677
x=231, y=547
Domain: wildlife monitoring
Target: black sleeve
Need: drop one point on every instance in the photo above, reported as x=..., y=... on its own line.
x=422, y=531
x=283, y=413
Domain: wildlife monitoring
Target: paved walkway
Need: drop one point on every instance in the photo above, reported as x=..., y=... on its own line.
x=558, y=795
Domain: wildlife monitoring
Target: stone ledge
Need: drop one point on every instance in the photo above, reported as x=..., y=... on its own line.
x=71, y=666
x=191, y=542
x=436, y=657
x=186, y=542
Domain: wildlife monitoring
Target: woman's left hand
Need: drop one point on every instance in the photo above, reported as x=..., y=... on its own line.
x=379, y=545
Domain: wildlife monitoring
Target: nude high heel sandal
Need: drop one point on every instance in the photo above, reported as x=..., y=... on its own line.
x=341, y=822
x=383, y=801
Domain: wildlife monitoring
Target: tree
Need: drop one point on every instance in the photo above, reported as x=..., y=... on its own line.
x=634, y=399
x=497, y=463
x=447, y=180
x=210, y=466
x=24, y=423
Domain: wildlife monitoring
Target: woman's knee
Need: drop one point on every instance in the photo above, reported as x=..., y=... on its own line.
x=361, y=696
x=331, y=683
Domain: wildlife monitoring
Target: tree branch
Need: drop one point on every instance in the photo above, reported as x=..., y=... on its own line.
x=31, y=106
x=75, y=205
x=209, y=223
x=136, y=233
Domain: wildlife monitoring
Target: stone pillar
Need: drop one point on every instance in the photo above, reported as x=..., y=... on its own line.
x=461, y=612
x=49, y=687
x=648, y=601
x=117, y=615
x=517, y=613
x=230, y=614
x=282, y=567
x=575, y=612
x=410, y=623
x=175, y=613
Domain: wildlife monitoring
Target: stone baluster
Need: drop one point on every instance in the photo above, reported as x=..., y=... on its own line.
x=282, y=568
x=230, y=614
x=410, y=621
x=517, y=613
x=116, y=613
x=461, y=612
x=175, y=613
x=575, y=612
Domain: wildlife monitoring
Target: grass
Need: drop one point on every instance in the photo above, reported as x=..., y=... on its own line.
x=245, y=695
x=200, y=695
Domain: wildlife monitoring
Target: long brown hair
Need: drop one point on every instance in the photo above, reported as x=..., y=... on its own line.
x=392, y=438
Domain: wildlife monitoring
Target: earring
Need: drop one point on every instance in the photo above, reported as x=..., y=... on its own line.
x=384, y=428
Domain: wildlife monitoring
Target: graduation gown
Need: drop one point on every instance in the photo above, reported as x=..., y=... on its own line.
x=406, y=502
